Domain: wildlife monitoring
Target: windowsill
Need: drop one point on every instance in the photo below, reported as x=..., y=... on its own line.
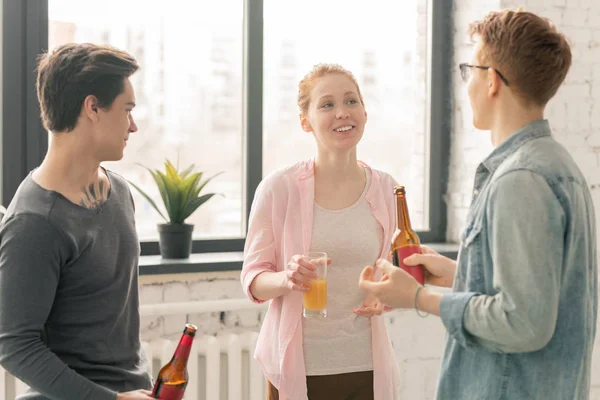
x=201, y=262
x=231, y=261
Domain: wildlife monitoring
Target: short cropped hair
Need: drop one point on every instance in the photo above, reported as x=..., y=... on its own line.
x=70, y=73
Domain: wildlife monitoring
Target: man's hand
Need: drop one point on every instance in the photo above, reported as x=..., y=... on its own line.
x=371, y=306
x=439, y=270
x=396, y=288
x=135, y=395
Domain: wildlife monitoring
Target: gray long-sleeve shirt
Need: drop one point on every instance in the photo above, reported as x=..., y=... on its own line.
x=69, y=306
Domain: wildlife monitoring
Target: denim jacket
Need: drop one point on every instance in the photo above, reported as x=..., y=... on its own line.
x=521, y=317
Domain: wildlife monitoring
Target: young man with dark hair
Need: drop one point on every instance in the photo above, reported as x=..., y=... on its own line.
x=521, y=318
x=69, y=251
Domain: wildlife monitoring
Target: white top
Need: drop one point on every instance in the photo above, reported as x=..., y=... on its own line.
x=352, y=239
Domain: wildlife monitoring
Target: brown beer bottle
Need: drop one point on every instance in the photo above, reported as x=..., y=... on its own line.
x=173, y=377
x=405, y=241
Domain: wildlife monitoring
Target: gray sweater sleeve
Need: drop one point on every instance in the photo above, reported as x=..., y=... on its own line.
x=32, y=252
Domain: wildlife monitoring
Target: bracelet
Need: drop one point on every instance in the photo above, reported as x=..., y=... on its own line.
x=422, y=315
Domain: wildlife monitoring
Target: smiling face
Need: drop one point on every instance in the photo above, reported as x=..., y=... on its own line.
x=114, y=125
x=336, y=115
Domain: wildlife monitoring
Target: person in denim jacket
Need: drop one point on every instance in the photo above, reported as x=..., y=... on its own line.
x=521, y=317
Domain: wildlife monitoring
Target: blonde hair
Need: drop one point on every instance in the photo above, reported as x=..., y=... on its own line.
x=527, y=49
x=318, y=71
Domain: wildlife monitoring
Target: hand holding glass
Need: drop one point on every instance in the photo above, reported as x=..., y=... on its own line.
x=315, y=299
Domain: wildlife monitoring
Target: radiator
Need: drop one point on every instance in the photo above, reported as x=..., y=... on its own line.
x=220, y=368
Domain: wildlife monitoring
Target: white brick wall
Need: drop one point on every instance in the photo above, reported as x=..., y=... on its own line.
x=575, y=117
x=193, y=287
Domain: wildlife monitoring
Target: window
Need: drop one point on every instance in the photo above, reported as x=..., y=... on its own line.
x=188, y=96
x=385, y=46
x=217, y=87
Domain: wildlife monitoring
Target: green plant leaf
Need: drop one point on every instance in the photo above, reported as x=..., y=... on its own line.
x=188, y=171
x=199, y=189
x=179, y=191
x=187, y=187
x=172, y=173
x=160, y=183
x=194, y=204
x=152, y=203
x=173, y=196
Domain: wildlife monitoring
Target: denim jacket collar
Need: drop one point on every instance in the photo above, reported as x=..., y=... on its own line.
x=528, y=132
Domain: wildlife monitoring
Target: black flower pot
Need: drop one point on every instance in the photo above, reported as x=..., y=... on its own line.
x=175, y=240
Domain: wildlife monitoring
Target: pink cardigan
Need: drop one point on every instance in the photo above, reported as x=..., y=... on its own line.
x=280, y=226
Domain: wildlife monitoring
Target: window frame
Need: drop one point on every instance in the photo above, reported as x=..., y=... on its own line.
x=25, y=142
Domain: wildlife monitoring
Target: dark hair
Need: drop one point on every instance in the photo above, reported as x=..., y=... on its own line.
x=527, y=49
x=71, y=72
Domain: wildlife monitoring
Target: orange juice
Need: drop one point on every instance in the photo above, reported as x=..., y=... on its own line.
x=316, y=297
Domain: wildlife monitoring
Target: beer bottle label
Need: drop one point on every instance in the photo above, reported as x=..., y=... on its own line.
x=170, y=393
x=400, y=254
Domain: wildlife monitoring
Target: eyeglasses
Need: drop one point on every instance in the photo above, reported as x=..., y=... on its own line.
x=465, y=71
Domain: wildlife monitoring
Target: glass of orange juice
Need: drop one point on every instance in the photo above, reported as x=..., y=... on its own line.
x=315, y=300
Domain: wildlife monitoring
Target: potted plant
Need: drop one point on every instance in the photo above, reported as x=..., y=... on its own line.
x=180, y=193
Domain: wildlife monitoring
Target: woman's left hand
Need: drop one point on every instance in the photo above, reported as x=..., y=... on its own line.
x=370, y=307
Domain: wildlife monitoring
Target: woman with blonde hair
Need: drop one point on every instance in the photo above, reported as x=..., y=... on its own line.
x=335, y=204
